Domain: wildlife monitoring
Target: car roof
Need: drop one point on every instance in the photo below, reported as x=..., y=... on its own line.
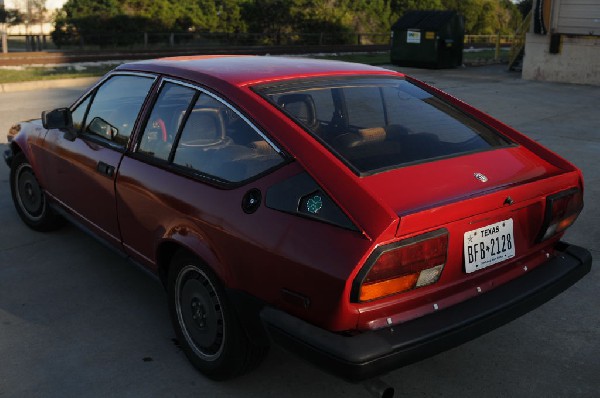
x=249, y=70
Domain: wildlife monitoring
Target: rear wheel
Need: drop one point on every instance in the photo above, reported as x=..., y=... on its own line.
x=205, y=322
x=29, y=197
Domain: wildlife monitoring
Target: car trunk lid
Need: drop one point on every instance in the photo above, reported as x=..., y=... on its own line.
x=429, y=185
x=445, y=195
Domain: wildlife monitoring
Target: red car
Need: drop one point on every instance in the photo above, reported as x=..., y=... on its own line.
x=353, y=214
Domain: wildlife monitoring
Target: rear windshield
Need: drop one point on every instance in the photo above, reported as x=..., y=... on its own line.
x=374, y=124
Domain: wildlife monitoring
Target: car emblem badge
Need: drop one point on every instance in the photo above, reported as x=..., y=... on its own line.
x=314, y=204
x=481, y=177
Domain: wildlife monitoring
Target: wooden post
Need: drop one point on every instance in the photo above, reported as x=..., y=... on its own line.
x=172, y=39
x=497, y=55
x=145, y=39
x=4, y=43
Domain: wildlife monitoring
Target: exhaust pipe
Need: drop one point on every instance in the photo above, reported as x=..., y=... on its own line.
x=378, y=388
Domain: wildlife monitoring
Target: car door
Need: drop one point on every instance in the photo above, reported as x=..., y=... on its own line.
x=193, y=150
x=84, y=167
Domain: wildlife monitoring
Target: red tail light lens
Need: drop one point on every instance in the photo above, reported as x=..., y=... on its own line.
x=402, y=266
x=562, y=209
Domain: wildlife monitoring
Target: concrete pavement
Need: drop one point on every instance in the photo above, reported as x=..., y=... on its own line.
x=46, y=84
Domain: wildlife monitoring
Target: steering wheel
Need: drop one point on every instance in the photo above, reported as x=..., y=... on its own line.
x=163, y=129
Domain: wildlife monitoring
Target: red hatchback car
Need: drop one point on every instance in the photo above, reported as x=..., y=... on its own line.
x=359, y=217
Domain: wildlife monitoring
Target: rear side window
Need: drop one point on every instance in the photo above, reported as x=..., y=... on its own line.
x=165, y=120
x=202, y=135
x=217, y=142
x=375, y=124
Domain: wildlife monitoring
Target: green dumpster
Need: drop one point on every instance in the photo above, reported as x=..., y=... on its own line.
x=428, y=39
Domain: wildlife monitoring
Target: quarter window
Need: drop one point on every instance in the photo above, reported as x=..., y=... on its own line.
x=217, y=142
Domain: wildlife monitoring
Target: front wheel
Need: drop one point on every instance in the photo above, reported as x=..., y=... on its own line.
x=205, y=322
x=29, y=197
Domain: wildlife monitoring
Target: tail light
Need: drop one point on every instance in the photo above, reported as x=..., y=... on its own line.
x=562, y=210
x=402, y=266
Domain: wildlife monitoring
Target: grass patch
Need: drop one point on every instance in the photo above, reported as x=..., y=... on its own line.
x=51, y=73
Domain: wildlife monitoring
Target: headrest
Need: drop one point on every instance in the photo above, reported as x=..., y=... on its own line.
x=372, y=134
x=204, y=127
x=301, y=107
x=395, y=130
x=261, y=147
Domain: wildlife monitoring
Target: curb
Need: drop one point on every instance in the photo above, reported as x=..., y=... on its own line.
x=43, y=84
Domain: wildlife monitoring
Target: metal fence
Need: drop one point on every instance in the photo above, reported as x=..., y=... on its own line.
x=159, y=40
x=165, y=40
x=488, y=40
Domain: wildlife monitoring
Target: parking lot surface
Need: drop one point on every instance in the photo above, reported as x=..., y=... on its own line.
x=77, y=320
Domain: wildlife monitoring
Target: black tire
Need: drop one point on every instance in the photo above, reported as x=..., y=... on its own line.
x=205, y=322
x=29, y=197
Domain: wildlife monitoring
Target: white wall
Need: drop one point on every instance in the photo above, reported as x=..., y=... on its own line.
x=33, y=29
x=580, y=17
x=578, y=60
x=50, y=4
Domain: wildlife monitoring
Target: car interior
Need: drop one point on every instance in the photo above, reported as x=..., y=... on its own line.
x=370, y=148
x=217, y=142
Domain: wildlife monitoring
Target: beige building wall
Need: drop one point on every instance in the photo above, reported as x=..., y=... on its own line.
x=576, y=25
x=578, y=60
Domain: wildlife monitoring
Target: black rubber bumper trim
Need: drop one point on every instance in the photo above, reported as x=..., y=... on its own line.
x=8, y=157
x=372, y=353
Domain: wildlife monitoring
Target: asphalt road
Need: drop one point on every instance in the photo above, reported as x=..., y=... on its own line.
x=76, y=320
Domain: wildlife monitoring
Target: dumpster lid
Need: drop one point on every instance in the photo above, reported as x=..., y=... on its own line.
x=424, y=20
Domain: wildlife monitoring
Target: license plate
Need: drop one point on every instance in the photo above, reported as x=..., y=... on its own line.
x=489, y=245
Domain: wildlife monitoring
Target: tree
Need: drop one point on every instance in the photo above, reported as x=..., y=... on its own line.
x=36, y=11
x=486, y=17
x=303, y=20
x=399, y=7
x=10, y=16
x=271, y=17
x=525, y=7
x=372, y=17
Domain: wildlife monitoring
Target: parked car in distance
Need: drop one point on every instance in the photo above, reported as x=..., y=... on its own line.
x=361, y=218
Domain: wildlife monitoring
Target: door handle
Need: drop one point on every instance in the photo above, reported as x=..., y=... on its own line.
x=105, y=169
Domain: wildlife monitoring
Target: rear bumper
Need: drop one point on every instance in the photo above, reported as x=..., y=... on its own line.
x=375, y=352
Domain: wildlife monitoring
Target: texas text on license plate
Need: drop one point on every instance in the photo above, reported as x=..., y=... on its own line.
x=489, y=245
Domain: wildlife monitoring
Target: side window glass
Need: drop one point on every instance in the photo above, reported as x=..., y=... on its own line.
x=217, y=142
x=116, y=106
x=164, y=121
x=79, y=113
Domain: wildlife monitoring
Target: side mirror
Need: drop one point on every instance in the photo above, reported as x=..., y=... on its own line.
x=102, y=128
x=57, y=119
